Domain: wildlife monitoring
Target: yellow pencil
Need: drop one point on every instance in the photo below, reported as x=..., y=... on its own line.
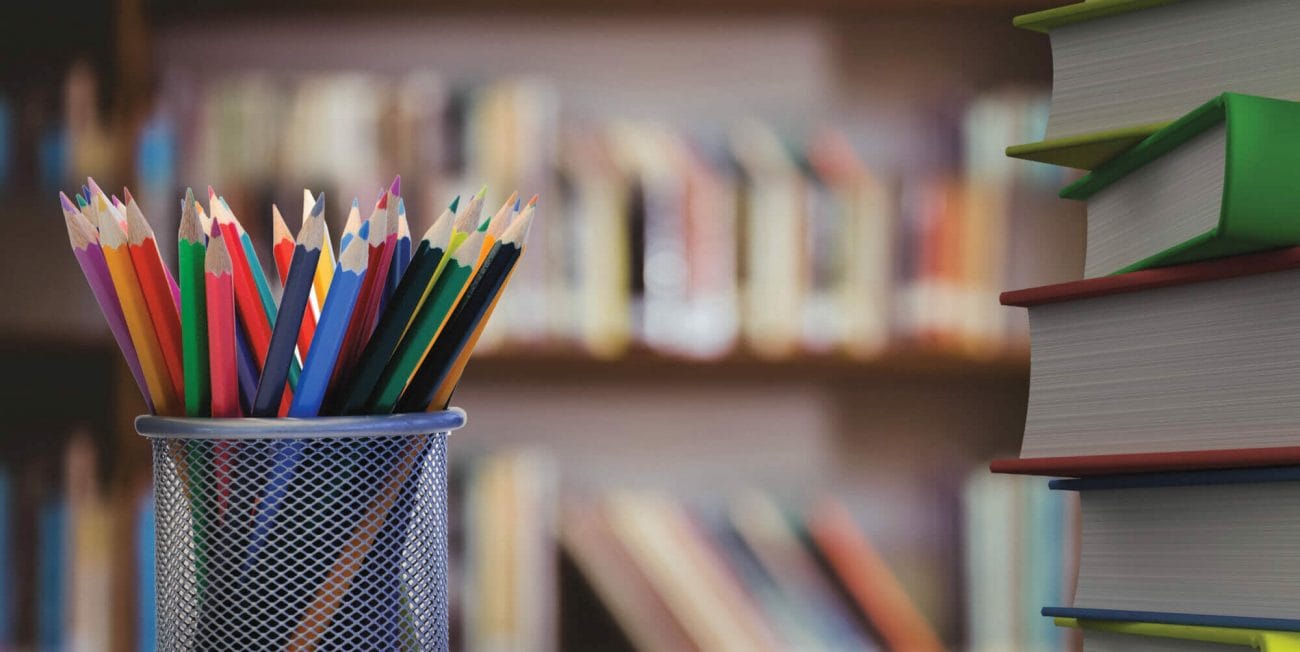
x=138, y=323
x=320, y=285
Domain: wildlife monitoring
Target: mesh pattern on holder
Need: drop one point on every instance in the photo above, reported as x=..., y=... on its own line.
x=302, y=544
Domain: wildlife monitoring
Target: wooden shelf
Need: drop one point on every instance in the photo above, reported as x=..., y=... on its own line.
x=741, y=368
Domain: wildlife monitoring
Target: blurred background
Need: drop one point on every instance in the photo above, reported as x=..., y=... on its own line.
x=754, y=344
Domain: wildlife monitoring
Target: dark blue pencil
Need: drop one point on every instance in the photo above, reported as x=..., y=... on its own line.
x=293, y=303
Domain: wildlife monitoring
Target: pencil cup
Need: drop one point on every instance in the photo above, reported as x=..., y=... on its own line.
x=302, y=534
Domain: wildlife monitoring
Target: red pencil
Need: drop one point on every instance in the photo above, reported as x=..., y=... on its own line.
x=154, y=285
x=223, y=368
x=282, y=251
x=248, y=302
x=219, y=279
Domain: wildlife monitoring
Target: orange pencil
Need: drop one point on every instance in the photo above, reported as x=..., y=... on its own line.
x=154, y=285
x=112, y=240
x=282, y=251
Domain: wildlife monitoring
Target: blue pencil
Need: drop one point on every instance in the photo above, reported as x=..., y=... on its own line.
x=350, y=227
x=293, y=303
x=401, y=256
x=349, y=273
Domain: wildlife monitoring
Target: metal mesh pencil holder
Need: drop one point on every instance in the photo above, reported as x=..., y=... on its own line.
x=302, y=534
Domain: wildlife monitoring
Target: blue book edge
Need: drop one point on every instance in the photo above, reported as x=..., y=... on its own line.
x=1179, y=479
x=1164, y=618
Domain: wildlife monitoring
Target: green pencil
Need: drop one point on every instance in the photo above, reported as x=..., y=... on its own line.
x=428, y=322
x=427, y=264
x=194, y=323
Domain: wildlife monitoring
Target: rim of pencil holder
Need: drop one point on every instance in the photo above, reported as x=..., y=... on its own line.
x=248, y=428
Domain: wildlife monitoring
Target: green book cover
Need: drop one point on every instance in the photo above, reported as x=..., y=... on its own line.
x=1260, y=207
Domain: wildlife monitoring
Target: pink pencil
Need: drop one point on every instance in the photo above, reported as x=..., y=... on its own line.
x=85, y=246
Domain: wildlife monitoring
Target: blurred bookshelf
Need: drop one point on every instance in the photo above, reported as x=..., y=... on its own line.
x=769, y=249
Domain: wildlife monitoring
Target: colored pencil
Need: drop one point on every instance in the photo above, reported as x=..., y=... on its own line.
x=143, y=247
x=293, y=310
x=463, y=326
x=349, y=275
x=135, y=310
x=374, y=231
x=191, y=254
x=222, y=329
x=263, y=291
x=428, y=322
x=129, y=207
x=401, y=257
x=84, y=239
x=380, y=262
x=325, y=267
x=500, y=222
x=203, y=218
x=446, y=385
x=219, y=293
x=248, y=295
x=430, y=259
x=283, y=248
x=248, y=373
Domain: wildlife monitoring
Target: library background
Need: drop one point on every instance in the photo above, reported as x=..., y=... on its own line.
x=748, y=380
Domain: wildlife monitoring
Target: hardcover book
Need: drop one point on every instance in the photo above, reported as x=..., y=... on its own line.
x=1222, y=180
x=1197, y=357
x=1205, y=547
x=1124, y=67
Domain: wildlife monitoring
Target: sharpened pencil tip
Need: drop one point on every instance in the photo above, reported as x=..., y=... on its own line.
x=533, y=201
x=356, y=203
x=126, y=192
x=455, y=203
x=212, y=194
x=319, y=206
x=68, y=206
x=482, y=192
x=85, y=192
x=516, y=210
x=401, y=206
x=396, y=188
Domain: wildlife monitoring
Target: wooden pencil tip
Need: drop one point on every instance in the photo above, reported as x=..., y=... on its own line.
x=279, y=230
x=356, y=203
x=482, y=192
x=312, y=234
x=217, y=260
x=191, y=227
x=94, y=187
x=533, y=201
x=126, y=192
x=212, y=194
x=382, y=204
x=354, y=256
x=85, y=192
x=455, y=203
x=82, y=202
x=137, y=228
x=396, y=188
x=401, y=207
x=516, y=205
x=318, y=208
x=68, y=206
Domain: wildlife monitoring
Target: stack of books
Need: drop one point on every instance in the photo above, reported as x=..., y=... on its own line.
x=1162, y=388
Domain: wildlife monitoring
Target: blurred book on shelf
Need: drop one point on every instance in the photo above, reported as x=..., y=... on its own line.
x=1021, y=553
x=779, y=240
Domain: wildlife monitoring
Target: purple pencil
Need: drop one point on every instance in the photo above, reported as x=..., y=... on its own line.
x=85, y=246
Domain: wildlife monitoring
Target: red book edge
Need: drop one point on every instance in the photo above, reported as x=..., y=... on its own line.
x=1086, y=465
x=1276, y=260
